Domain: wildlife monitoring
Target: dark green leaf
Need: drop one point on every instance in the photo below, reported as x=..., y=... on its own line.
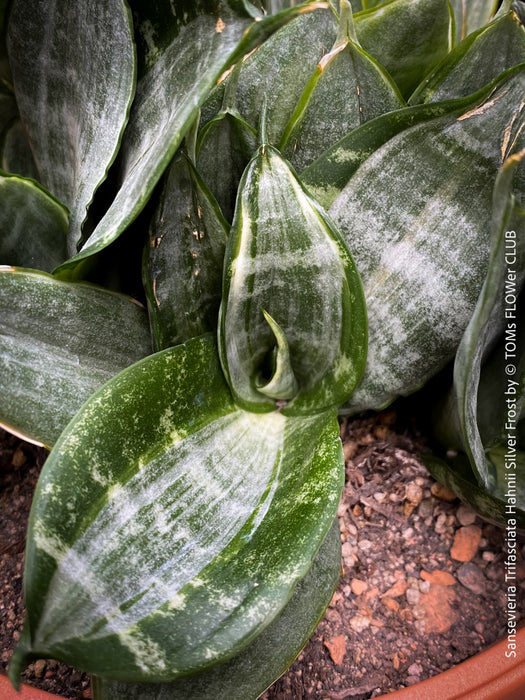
x=59, y=342
x=73, y=65
x=407, y=37
x=184, y=258
x=246, y=675
x=347, y=88
x=15, y=151
x=286, y=258
x=169, y=528
x=476, y=61
x=33, y=225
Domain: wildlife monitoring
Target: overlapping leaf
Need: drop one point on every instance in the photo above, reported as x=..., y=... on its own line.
x=415, y=216
x=476, y=61
x=470, y=15
x=407, y=37
x=33, y=225
x=189, y=523
x=246, y=675
x=347, y=88
x=16, y=155
x=168, y=98
x=292, y=321
x=184, y=258
x=59, y=342
x=74, y=115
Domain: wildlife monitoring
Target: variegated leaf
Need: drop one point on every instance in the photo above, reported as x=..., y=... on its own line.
x=59, y=342
x=188, y=523
x=407, y=37
x=73, y=65
x=470, y=15
x=416, y=216
x=476, y=61
x=246, y=675
x=184, y=259
x=168, y=98
x=286, y=258
x=33, y=225
x=347, y=88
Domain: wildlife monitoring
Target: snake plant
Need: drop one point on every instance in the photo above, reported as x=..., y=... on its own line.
x=222, y=224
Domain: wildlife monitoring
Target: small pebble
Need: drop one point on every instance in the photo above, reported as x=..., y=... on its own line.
x=472, y=578
x=465, y=515
x=413, y=493
x=412, y=596
x=414, y=670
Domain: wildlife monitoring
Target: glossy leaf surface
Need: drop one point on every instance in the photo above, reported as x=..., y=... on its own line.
x=189, y=523
x=167, y=102
x=407, y=37
x=59, y=342
x=347, y=88
x=184, y=258
x=247, y=674
x=73, y=66
x=286, y=258
x=33, y=225
x=479, y=58
x=416, y=216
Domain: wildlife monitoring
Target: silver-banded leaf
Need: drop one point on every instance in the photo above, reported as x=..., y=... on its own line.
x=224, y=149
x=470, y=15
x=59, y=342
x=33, y=225
x=188, y=523
x=286, y=258
x=327, y=176
x=167, y=101
x=73, y=66
x=184, y=258
x=407, y=37
x=416, y=216
x=15, y=151
x=347, y=88
x=278, y=71
x=476, y=61
x=248, y=674
x=504, y=279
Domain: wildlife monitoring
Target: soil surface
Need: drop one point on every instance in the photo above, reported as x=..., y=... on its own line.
x=422, y=584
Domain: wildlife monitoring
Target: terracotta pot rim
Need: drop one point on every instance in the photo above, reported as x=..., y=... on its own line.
x=490, y=675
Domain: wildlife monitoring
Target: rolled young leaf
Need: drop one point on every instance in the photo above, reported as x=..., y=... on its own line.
x=170, y=528
x=248, y=674
x=73, y=66
x=33, y=225
x=59, y=342
x=209, y=38
x=347, y=88
x=286, y=258
x=407, y=37
x=476, y=61
x=415, y=216
x=184, y=258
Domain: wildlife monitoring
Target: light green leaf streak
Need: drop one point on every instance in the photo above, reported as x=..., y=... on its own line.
x=60, y=342
x=407, y=37
x=33, y=225
x=73, y=65
x=166, y=104
x=189, y=522
x=415, y=216
x=247, y=674
x=479, y=58
x=348, y=88
x=184, y=258
x=284, y=256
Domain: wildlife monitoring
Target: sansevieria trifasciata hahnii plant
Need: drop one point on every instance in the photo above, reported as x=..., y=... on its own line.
x=222, y=224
